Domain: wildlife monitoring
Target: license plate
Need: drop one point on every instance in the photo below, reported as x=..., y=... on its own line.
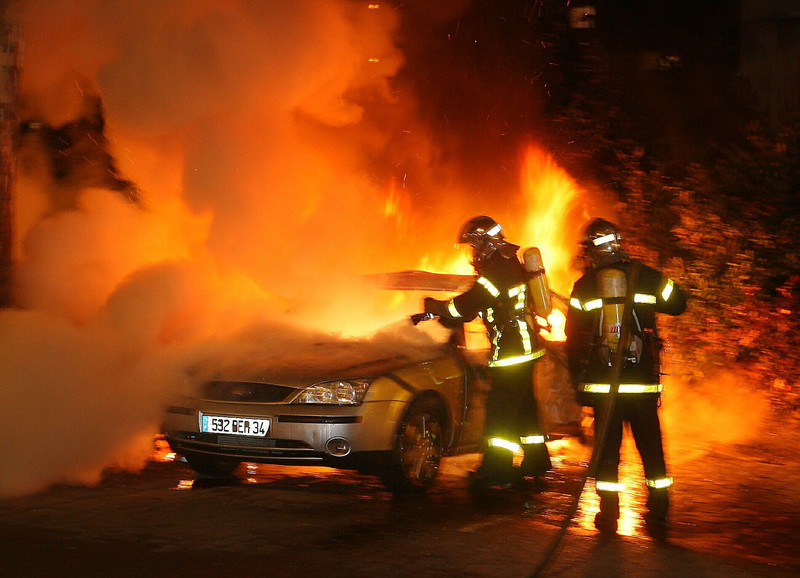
x=241, y=426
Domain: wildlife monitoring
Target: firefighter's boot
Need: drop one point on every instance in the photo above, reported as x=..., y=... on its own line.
x=536, y=460
x=656, y=517
x=606, y=518
x=495, y=471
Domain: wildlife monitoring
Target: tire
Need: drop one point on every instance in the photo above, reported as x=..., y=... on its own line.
x=418, y=448
x=212, y=466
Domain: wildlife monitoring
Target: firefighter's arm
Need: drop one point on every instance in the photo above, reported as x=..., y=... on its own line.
x=579, y=340
x=441, y=310
x=435, y=307
x=671, y=298
x=461, y=308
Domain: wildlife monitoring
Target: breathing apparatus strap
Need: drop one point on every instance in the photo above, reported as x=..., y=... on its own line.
x=616, y=367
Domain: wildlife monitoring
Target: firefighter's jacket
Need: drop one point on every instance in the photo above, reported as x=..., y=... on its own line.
x=500, y=297
x=588, y=329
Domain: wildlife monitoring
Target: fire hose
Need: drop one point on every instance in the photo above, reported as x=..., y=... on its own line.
x=599, y=446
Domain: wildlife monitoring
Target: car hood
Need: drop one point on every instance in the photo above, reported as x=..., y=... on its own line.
x=316, y=362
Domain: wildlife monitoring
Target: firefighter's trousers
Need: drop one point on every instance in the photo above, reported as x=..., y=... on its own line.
x=512, y=419
x=641, y=412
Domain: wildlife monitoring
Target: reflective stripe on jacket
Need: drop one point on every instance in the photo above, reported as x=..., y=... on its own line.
x=588, y=330
x=499, y=296
x=623, y=387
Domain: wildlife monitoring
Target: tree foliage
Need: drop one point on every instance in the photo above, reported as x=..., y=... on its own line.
x=723, y=222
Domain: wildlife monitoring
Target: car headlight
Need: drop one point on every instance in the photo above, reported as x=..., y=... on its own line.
x=350, y=392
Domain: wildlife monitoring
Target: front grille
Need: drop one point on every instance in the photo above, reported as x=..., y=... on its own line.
x=243, y=447
x=246, y=391
x=252, y=442
x=320, y=418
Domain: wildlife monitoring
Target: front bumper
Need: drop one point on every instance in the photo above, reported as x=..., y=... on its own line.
x=301, y=434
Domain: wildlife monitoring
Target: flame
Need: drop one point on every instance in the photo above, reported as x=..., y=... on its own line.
x=396, y=204
x=554, y=328
x=457, y=263
x=550, y=196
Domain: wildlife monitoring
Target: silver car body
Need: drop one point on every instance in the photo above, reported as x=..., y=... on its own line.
x=306, y=433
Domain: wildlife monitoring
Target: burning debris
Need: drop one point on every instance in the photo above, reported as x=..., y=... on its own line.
x=76, y=155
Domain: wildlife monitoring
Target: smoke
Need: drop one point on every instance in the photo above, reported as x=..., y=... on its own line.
x=242, y=127
x=720, y=409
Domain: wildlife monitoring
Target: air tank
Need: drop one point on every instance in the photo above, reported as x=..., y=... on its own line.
x=540, y=302
x=612, y=286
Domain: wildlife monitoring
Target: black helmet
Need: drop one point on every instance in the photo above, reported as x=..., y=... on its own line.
x=480, y=228
x=602, y=243
x=484, y=235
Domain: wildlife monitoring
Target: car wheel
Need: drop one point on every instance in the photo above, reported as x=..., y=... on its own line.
x=418, y=448
x=211, y=465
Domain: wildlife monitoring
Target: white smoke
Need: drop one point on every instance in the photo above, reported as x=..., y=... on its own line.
x=243, y=125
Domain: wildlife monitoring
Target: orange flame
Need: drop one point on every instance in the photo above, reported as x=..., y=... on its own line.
x=457, y=264
x=556, y=322
x=550, y=196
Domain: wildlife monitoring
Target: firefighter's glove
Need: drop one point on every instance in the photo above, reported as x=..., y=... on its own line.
x=438, y=308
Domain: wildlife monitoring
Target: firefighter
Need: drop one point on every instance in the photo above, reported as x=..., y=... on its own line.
x=499, y=297
x=613, y=290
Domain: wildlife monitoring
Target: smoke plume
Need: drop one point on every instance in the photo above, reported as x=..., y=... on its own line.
x=220, y=179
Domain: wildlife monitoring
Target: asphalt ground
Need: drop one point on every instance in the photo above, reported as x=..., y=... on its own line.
x=735, y=513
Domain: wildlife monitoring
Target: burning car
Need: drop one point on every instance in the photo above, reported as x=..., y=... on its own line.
x=389, y=406
x=395, y=415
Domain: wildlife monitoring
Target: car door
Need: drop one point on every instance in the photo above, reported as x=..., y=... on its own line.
x=471, y=349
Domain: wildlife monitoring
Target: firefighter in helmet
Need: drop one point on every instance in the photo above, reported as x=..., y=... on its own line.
x=614, y=351
x=499, y=297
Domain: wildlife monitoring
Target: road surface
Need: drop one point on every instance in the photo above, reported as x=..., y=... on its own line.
x=736, y=513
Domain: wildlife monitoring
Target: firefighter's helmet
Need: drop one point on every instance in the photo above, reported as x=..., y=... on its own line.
x=484, y=235
x=602, y=243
